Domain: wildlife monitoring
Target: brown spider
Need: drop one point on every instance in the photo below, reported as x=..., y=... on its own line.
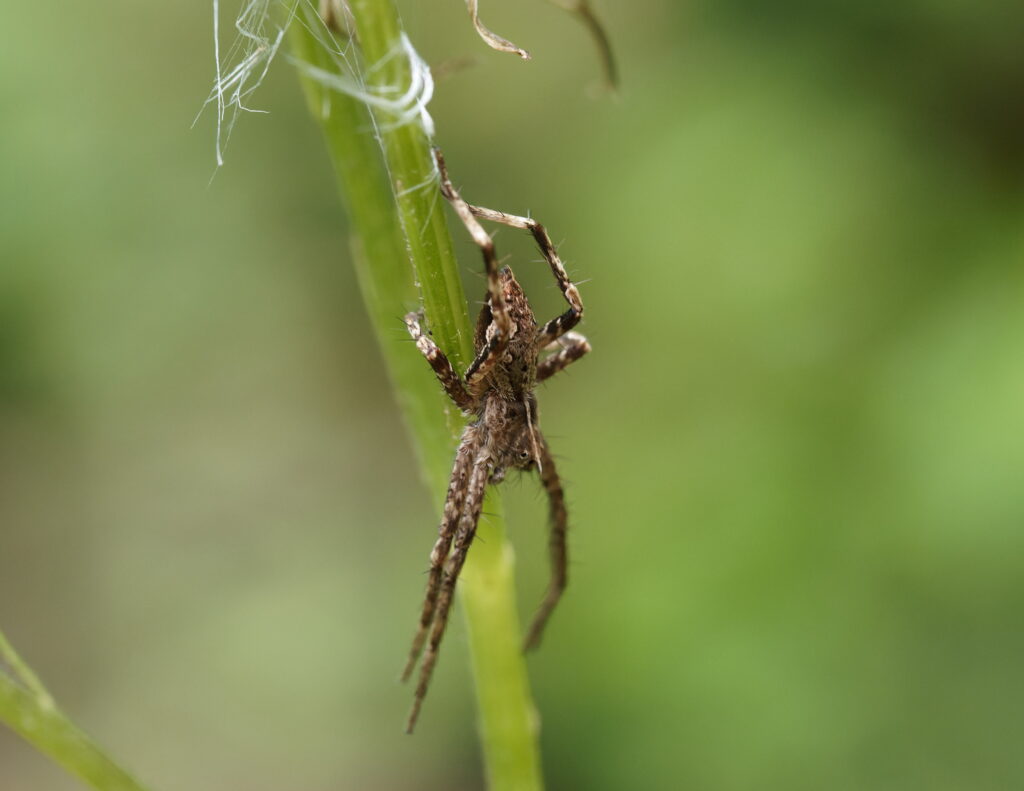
x=497, y=393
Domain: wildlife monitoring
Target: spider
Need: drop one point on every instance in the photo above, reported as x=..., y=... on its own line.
x=496, y=392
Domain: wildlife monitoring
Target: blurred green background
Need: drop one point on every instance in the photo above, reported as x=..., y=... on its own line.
x=794, y=458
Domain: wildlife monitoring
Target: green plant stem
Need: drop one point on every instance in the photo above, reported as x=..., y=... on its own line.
x=401, y=239
x=27, y=707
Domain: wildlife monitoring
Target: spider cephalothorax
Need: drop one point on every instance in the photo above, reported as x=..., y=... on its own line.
x=496, y=392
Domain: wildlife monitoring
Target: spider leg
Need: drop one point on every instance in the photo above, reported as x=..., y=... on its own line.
x=446, y=374
x=494, y=349
x=452, y=568
x=571, y=347
x=559, y=557
x=453, y=504
x=559, y=325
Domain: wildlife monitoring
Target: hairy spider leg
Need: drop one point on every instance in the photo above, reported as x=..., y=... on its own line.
x=446, y=373
x=494, y=349
x=556, y=544
x=452, y=567
x=559, y=325
x=571, y=347
x=469, y=449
